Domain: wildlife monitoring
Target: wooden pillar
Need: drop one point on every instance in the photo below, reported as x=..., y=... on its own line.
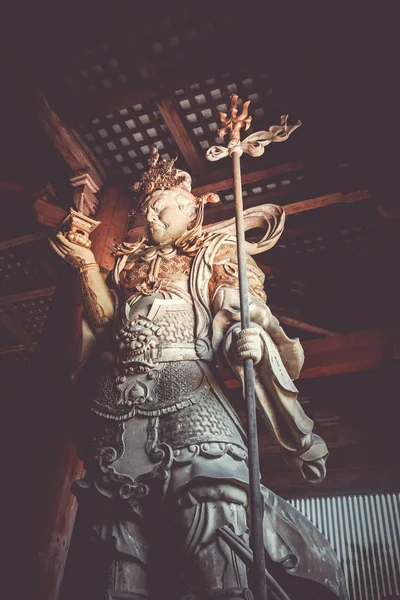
x=113, y=214
x=58, y=507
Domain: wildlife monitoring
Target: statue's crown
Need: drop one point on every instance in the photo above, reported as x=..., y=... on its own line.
x=160, y=175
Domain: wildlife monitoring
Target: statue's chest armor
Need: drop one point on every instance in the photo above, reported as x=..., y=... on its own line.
x=149, y=276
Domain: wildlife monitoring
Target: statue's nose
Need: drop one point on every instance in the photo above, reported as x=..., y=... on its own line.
x=151, y=215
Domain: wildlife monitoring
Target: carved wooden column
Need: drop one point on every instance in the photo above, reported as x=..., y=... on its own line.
x=59, y=506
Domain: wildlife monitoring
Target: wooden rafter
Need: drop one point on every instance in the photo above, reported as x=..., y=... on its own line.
x=69, y=144
x=169, y=112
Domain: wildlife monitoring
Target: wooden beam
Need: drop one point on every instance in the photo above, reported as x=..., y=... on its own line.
x=11, y=186
x=70, y=145
x=328, y=200
x=14, y=328
x=218, y=212
x=303, y=326
x=25, y=239
x=169, y=112
x=348, y=353
x=32, y=295
x=341, y=342
x=225, y=182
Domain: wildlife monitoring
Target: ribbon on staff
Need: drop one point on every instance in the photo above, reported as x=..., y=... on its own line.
x=255, y=143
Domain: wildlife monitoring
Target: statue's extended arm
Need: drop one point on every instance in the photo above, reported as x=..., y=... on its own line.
x=97, y=298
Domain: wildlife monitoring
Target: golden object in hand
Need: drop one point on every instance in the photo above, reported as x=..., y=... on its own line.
x=77, y=227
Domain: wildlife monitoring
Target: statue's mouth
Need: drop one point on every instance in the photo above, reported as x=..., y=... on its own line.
x=159, y=225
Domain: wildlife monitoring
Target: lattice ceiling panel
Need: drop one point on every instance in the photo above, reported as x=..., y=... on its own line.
x=199, y=105
x=252, y=190
x=93, y=72
x=20, y=269
x=363, y=240
x=122, y=140
x=182, y=40
x=30, y=314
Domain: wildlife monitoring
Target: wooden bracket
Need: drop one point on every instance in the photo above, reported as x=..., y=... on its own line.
x=85, y=189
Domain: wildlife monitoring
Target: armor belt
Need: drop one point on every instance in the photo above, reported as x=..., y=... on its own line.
x=177, y=352
x=165, y=388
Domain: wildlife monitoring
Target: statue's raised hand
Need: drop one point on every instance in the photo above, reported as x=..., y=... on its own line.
x=248, y=345
x=75, y=255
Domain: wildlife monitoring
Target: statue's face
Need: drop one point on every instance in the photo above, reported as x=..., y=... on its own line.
x=167, y=215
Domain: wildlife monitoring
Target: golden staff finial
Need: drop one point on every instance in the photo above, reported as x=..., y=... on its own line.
x=235, y=123
x=255, y=143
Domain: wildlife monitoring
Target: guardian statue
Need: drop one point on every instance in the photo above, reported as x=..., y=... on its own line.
x=164, y=451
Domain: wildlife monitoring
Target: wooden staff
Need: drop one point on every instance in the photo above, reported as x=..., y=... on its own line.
x=253, y=145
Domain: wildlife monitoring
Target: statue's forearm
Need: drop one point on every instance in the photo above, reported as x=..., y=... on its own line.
x=97, y=298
